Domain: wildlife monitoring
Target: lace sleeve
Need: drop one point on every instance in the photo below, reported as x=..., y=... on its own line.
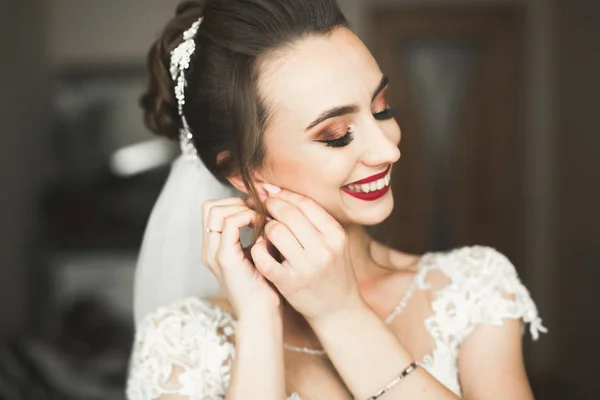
x=483, y=288
x=182, y=351
x=494, y=290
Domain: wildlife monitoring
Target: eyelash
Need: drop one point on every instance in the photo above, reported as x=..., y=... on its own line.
x=345, y=140
x=341, y=142
x=388, y=113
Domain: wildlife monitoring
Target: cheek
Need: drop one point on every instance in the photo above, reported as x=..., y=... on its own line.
x=308, y=169
x=311, y=174
x=290, y=170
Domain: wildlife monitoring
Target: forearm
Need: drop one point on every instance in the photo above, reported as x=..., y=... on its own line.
x=258, y=369
x=368, y=356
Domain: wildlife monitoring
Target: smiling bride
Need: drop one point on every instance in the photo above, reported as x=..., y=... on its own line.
x=284, y=126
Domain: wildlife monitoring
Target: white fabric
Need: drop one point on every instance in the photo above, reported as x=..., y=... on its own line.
x=193, y=337
x=170, y=264
x=480, y=280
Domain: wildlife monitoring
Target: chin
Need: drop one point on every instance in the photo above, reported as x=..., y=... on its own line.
x=370, y=213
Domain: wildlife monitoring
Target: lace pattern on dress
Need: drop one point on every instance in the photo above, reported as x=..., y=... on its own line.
x=187, y=349
x=190, y=336
x=484, y=288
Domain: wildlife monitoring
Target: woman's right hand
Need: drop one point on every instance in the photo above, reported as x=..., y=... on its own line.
x=248, y=291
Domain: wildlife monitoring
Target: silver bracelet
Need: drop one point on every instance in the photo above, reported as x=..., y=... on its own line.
x=393, y=383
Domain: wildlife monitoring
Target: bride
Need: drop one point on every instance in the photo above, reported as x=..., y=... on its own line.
x=282, y=117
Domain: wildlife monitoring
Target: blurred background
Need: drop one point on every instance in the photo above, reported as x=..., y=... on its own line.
x=499, y=104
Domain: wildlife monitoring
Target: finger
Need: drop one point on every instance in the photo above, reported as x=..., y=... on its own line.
x=230, y=236
x=210, y=247
x=214, y=219
x=295, y=220
x=321, y=219
x=206, y=206
x=285, y=242
x=231, y=252
x=218, y=214
x=268, y=266
x=224, y=249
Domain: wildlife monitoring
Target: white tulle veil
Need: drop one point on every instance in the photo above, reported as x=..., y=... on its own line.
x=170, y=264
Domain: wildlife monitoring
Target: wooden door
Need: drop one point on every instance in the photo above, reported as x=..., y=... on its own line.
x=456, y=82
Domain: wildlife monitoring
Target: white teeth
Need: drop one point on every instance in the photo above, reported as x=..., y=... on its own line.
x=372, y=186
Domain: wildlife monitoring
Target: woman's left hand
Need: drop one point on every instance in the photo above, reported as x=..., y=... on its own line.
x=316, y=276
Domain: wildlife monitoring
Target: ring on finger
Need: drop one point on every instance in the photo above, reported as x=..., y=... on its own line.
x=208, y=230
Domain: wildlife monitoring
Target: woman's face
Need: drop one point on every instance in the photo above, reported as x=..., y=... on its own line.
x=330, y=125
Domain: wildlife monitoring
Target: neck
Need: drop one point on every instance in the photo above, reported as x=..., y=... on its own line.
x=365, y=264
x=366, y=270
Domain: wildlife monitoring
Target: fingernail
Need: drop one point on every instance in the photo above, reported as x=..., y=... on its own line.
x=269, y=219
x=260, y=239
x=271, y=188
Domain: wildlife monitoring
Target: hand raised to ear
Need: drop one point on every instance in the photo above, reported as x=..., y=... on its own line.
x=222, y=252
x=316, y=276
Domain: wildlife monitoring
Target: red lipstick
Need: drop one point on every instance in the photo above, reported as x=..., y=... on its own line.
x=372, y=178
x=373, y=195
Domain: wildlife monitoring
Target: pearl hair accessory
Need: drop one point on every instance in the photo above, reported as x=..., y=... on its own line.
x=180, y=62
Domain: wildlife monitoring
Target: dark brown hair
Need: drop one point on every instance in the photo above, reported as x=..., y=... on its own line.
x=222, y=105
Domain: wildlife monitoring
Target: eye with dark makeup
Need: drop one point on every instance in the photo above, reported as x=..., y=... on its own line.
x=384, y=111
x=345, y=140
x=387, y=113
x=342, y=141
x=380, y=109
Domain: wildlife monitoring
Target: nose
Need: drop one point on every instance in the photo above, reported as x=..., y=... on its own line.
x=381, y=144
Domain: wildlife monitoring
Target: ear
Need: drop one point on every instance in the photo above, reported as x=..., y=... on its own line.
x=237, y=181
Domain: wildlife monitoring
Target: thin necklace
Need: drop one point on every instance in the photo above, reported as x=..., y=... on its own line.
x=401, y=305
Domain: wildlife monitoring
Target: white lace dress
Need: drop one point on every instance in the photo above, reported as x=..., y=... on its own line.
x=186, y=348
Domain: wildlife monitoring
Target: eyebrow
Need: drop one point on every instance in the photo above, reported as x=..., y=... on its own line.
x=344, y=110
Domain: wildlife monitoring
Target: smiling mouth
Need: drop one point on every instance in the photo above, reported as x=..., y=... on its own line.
x=371, y=186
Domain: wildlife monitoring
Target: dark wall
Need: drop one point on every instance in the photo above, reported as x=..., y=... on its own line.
x=578, y=182
x=24, y=111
